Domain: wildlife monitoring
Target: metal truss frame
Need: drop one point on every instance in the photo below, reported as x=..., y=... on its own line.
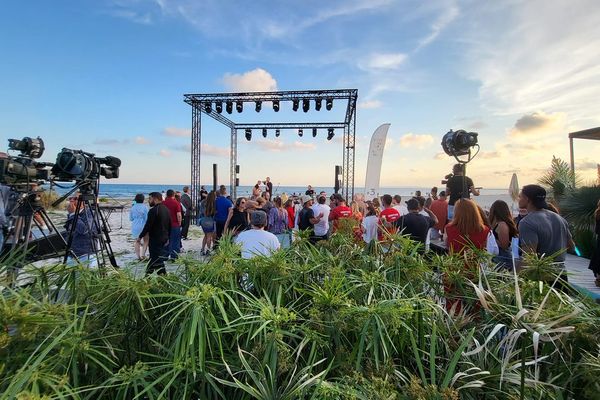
x=198, y=102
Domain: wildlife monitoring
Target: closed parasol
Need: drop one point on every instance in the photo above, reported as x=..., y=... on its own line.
x=513, y=189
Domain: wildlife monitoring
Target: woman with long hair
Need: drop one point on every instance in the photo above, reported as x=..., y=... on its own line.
x=138, y=216
x=504, y=230
x=369, y=225
x=238, y=219
x=466, y=228
x=208, y=210
x=289, y=207
x=278, y=223
x=595, y=260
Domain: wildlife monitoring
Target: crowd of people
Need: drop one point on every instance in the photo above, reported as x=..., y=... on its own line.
x=261, y=224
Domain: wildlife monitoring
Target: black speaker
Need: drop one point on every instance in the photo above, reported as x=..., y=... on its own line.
x=237, y=169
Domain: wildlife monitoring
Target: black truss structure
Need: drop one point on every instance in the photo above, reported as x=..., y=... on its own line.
x=199, y=104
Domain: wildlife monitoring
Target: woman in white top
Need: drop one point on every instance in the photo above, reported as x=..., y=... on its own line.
x=369, y=224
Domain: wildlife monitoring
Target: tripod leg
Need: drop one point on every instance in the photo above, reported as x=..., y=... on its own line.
x=72, y=230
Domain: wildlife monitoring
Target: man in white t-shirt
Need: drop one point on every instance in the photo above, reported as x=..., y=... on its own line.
x=257, y=241
x=397, y=204
x=321, y=228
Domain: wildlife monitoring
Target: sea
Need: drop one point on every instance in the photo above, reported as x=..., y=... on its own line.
x=123, y=192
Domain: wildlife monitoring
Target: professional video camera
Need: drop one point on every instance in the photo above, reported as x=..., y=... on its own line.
x=459, y=143
x=78, y=165
x=445, y=180
x=23, y=170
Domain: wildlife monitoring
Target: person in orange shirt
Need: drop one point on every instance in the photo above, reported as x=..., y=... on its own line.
x=439, y=208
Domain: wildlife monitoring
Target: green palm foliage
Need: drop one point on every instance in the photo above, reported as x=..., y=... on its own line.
x=334, y=321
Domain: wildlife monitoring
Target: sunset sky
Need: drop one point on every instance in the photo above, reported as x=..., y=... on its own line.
x=108, y=76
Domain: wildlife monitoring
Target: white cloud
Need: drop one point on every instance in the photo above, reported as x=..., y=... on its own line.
x=141, y=140
x=177, y=132
x=210, y=150
x=257, y=80
x=418, y=141
x=110, y=142
x=164, y=153
x=536, y=55
x=448, y=14
x=303, y=146
x=278, y=146
x=369, y=104
x=382, y=61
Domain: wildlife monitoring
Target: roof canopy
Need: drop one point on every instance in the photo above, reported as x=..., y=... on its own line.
x=591, y=134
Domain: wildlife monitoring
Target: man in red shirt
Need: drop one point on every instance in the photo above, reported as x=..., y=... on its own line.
x=388, y=216
x=439, y=208
x=175, y=212
x=340, y=211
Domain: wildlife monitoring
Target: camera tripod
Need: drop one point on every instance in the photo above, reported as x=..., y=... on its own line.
x=87, y=219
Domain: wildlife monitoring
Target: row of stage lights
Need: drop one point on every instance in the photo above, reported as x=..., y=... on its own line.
x=239, y=105
x=330, y=133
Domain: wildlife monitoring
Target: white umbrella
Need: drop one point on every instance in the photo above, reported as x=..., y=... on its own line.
x=513, y=188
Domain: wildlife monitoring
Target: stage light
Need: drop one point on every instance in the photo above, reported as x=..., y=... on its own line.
x=318, y=103
x=264, y=132
x=248, y=134
x=300, y=132
x=329, y=104
x=277, y=132
x=330, y=134
x=229, y=106
x=207, y=107
x=305, y=105
x=219, y=107
x=258, y=105
x=276, y=105
x=314, y=132
x=239, y=106
x=295, y=104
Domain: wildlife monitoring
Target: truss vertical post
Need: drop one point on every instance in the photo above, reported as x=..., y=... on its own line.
x=233, y=163
x=195, y=173
x=351, y=162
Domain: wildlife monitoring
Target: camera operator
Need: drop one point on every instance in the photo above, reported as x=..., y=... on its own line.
x=85, y=243
x=458, y=186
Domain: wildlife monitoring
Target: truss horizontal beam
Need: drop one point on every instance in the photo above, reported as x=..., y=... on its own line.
x=270, y=96
x=292, y=125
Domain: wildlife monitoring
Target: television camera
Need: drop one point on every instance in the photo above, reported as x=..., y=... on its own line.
x=459, y=143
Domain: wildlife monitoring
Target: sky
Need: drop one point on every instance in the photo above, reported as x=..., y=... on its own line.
x=108, y=77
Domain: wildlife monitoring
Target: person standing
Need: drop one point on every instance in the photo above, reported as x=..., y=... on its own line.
x=269, y=187
x=504, y=230
x=278, y=223
x=370, y=225
x=257, y=241
x=268, y=205
x=138, y=214
x=340, y=212
x=256, y=191
x=439, y=208
x=397, y=204
x=237, y=218
x=84, y=242
x=595, y=260
x=542, y=231
x=322, y=227
x=203, y=193
x=158, y=229
x=388, y=216
x=222, y=204
x=207, y=222
x=459, y=187
x=175, y=212
x=306, y=216
x=186, y=203
x=414, y=223
x=309, y=191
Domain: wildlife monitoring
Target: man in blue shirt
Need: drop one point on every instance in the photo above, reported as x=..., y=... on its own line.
x=222, y=205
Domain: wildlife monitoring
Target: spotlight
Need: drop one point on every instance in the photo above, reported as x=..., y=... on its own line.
x=295, y=104
x=314, y=132
x=248, y=134
x=229, y=106
x=305, y=105
x=207, y=107
x=276, y=105
x=459, y=143
x=219, y=107
x=258, y=105
x=239, y=106
x=330, y=134
x=264, y=132
x=277, y=132
x=300, y=132
x=329, y=104
x=318, y=103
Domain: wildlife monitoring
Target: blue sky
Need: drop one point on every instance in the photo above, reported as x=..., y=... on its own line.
x=108, y=77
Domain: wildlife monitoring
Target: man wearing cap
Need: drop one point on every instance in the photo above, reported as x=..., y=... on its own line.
x=257, y=241
x=542, y=231
x=306, y=217
x=415, y=224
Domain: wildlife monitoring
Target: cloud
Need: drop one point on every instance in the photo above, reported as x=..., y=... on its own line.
x=369, y=104
x=303, y=146
x=539, y=122
x=257, y=80
x=141, y=140
x=478, y=125
x=448, y=14
x=440, y=156
x=541, y=62
x=383, y=61
x=586, y=165
x=144, y=18
x=205, y=149
x=164, y=153
x=418, y=141
x=488, y=155
x=110, y=142
x=177, y=132
x=278, y=146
